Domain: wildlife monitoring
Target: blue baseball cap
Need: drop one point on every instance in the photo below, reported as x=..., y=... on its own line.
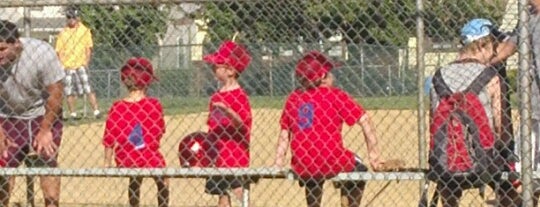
x=476, y=29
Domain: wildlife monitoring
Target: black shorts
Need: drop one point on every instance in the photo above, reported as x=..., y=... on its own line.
x=359, y=166
x=220, y=185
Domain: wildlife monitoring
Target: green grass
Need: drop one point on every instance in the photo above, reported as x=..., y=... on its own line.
x=188, y=105
x=389, y=102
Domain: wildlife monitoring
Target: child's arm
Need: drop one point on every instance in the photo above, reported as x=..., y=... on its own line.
x=160, y=119
x=235, y=117
x=282, y=148
x=107, y=162
x=109, y=136
x=504, y=51
x=494, y=90
x=371, y=141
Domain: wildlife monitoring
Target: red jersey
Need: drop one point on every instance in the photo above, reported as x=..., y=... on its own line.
x=135, y=129
x=315, y=118
x=231, y=143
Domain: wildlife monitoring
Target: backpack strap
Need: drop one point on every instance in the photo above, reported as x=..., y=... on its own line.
x=482, y=80
x=442, y=89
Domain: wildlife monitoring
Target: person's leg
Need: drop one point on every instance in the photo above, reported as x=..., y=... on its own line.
x=163, y=191
x=506, y=193
x=237, y=189
x=535, y=198
x=218, y=186
x=69, y=91
x=536, y=158
x=313, y=191
x=536, y=191
x=6, y=187
x=83, y=75
x=93, y=101
x=351, y=192
x=50, y=185
x=450, y=193
x=71, y=105
x=224, y=200
x=134, y=191
x=15, y=130
x=238, y=192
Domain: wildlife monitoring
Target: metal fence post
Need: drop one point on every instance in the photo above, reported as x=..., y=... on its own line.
x=525, y=103
x=420, y=83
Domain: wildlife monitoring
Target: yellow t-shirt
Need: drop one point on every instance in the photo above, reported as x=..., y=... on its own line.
x=71, y=46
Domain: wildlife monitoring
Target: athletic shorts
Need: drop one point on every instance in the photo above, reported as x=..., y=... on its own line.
x=22, y=132
x=76, y=81
x=219, y=185
x=359, y=166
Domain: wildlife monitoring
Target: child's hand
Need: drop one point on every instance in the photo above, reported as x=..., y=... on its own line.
x=107, y=164
x=220, y=105
x=278, y=163
x=375, y=162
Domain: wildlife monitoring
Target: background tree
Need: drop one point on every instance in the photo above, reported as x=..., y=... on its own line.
x=444, y=18
x=123, y=31
x=383, y=22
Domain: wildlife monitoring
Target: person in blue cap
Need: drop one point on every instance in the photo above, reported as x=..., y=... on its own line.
x=479, y=40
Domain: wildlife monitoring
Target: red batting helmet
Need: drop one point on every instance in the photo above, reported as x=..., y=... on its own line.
x=195, y=150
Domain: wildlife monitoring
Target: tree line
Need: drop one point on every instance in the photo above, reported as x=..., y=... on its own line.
x=134, y=29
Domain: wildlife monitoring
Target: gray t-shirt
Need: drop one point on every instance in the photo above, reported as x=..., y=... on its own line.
x=458, y=77
x=534, y=27
x=23, y=86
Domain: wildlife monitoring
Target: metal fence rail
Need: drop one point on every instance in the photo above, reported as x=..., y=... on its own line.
x=386, y=53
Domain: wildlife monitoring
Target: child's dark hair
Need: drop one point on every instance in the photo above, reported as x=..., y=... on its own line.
x=8, y=32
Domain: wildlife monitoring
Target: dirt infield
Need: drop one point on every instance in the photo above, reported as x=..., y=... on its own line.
x=81, y=147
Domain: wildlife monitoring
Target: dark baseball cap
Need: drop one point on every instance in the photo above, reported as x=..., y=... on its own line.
x=72, y=12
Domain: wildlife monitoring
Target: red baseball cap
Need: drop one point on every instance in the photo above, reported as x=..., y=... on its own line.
x=313, y=66
x=231, y=54
x=139, y=70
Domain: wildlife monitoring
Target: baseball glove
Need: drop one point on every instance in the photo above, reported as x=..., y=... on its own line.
x=392, y=165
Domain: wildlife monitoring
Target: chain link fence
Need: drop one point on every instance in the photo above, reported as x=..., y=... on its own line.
x=386, y=51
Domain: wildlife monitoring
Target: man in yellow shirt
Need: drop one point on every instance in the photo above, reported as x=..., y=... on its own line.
x=74, y=49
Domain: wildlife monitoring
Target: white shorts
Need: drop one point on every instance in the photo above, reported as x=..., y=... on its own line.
x=76, y=81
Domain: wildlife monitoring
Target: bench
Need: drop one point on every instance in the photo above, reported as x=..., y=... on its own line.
x=251, y=174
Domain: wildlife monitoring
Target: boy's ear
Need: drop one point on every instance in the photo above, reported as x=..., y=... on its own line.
x=231, y=72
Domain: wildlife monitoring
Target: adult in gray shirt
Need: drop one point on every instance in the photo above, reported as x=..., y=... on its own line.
x=505, y=50
x=31, y=92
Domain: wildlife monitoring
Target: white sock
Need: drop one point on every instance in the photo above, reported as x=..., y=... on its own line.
x=96, y=112
x=73, y=114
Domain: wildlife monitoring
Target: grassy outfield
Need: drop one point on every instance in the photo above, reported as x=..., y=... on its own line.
x=187, y=105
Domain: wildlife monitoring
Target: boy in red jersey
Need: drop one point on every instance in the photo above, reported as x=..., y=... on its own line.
x=314, y=115
x=134, y=129
x=229, y=119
